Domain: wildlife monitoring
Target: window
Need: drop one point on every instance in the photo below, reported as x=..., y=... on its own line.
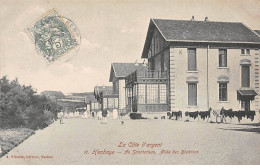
x=152, y=94
x=129, y=96
x=141, y=93
x=222, y=91
x=248, y=51
x=192, y=66
x=242, y=51
x=129, y=92
x=245, y=51
x=245, y=105
x=104, y=103
x=110, y=103
x=245, y=76
x=156, y=93
x=162, y=93
x=192, y=94
x=222, y=58
x=95, y=106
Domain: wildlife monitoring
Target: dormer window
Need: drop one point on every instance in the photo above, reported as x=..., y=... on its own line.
x=242, y=51
x=245, y=51
x=248, y=51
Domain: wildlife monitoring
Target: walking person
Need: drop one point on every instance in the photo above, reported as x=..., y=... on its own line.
x=93, y=114
x=60, y=116
x=104, y=115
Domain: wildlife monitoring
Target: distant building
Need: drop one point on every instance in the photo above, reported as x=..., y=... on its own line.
x=88, y=99
x=118, y=73
x=94, y=105
x=194, y=65
x=106, y=98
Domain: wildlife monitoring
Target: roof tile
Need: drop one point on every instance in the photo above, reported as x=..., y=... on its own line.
x=183, y=30
x=124, y=69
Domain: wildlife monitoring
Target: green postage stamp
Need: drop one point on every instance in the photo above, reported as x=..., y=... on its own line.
x=52, y=36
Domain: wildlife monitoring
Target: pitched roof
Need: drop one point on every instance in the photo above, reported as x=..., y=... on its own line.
x=99, y=89
x=200, y=31
x=103, y=88
x=205, y=31
x=257, y=31
x=107, y=92
x=121, y=70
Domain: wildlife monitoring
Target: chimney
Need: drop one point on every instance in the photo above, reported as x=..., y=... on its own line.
x=206, y=19
x=192, y=18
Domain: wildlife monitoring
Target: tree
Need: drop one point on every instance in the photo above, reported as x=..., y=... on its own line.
x=21, y=106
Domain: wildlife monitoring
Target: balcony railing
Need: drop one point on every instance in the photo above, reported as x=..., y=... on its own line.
x=145, y=74
x=151, y=74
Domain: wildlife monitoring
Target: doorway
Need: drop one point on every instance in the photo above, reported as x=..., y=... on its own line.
x=245, y=105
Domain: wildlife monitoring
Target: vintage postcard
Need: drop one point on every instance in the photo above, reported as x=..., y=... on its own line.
x=128, y=82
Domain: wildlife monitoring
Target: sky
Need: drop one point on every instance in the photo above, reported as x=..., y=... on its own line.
x=110, y=31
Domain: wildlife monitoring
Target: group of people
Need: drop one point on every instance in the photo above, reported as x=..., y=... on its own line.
x=62, y=115
x=101, y=115
x=71, y=115
x=104, y=114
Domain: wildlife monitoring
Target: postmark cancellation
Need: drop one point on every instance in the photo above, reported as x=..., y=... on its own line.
x=52, y=37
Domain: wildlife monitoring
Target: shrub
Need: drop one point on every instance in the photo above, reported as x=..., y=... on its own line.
x=20, y=106
x=134, y=116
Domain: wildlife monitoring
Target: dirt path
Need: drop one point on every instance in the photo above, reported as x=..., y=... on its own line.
x=203, y=143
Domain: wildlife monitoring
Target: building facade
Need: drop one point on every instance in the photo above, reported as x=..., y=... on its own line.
x=208, y=64
x=118, y=74
x=106, y=97
x=146, y=91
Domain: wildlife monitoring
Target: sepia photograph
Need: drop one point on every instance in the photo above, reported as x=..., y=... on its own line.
x=129, y=82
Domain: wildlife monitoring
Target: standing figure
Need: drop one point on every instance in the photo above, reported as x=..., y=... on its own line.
x=71, y=114
x=86, y=114
x=104, y=115
x=60, y=115
x=93, y=114
x=115, y=114
x=99, y=115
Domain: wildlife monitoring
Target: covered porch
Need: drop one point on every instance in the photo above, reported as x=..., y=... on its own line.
x=108, y=100
x=245, y=96
x=146, y=91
